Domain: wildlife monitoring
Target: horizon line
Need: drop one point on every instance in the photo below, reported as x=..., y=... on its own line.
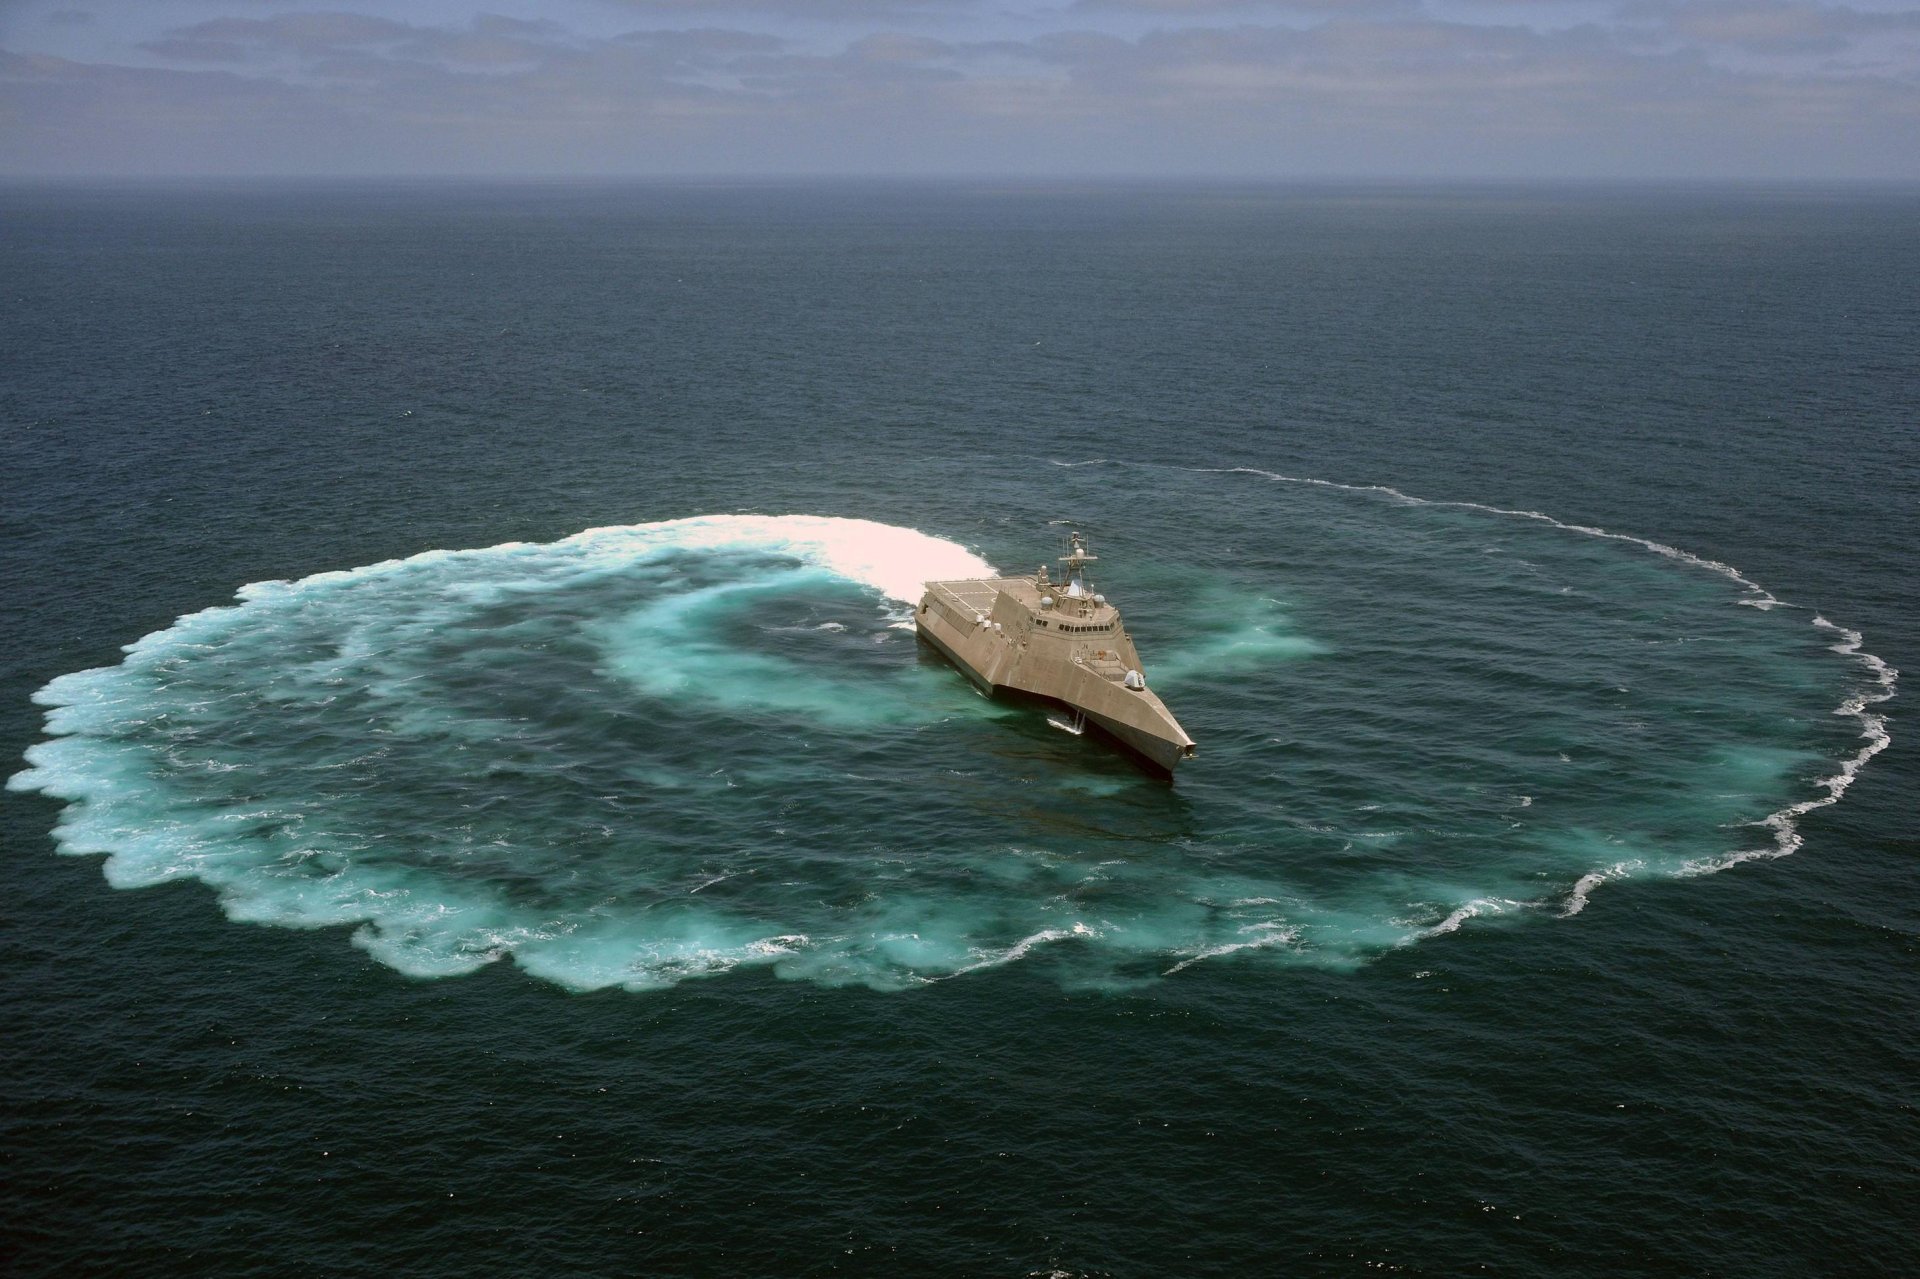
x=791, y=177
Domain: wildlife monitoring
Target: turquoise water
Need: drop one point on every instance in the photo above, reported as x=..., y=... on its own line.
x=662, y=751
x=484, y=658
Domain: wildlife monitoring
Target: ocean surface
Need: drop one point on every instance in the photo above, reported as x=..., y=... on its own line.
x=478, y=805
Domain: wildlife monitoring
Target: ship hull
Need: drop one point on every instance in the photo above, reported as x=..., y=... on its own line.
x=934, y=642
x=1157, y=752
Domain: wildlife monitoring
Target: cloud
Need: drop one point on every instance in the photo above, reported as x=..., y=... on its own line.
x=818, y=10
x=308, y=32
x=359, y=46
x=494, y=24
x=191, y=49
x=1395, y=93
x=228, y=40
x=706, y=43
x=1773, y=27
x=1203, y=8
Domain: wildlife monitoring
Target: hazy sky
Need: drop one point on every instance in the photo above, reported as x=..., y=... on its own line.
x=1657, y=88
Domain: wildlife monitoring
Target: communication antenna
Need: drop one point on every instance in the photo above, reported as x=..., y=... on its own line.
x=1076, y=558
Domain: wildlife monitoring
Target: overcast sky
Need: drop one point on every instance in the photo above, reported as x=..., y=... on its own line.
x=1459, y=88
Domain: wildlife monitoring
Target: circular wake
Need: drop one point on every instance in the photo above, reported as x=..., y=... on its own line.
x=647, y=753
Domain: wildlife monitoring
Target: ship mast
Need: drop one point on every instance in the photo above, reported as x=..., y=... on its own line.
x=1076, y=558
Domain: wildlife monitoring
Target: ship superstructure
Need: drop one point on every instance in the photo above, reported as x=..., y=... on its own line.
x=1058, y=640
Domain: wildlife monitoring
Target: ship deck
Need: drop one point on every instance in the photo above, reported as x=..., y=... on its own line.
x=974, y=596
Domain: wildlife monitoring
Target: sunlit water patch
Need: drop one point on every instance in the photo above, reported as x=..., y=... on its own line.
x=648, y=753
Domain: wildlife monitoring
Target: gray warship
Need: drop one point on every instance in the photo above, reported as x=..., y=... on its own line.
x=1059, y=641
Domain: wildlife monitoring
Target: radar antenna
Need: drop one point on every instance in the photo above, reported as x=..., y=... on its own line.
x=1075, y=559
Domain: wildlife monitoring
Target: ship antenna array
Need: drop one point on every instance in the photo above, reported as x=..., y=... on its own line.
x=1076, y=558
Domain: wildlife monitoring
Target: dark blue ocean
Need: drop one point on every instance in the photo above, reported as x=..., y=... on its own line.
x=478, y=804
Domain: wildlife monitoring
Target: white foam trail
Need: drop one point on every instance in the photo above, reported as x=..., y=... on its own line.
x=1472, y=910
x=897, y=562
x=427, y=924
x=1577, y=899
x=1874, y=732
x=717, y=879
x=1757, y=595
x=1279, y=936
x=1019, y=949
x=583, y=960
x=1783, y=823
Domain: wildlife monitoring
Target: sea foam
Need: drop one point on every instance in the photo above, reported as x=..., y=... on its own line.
x=1881, y=678
x=650, y=753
